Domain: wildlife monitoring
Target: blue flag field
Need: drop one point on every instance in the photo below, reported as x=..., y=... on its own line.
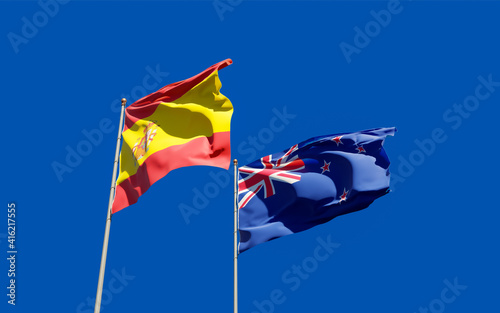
x=310, y=184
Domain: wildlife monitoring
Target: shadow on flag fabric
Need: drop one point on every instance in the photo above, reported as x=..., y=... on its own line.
x=182, y=124
x=310, y=184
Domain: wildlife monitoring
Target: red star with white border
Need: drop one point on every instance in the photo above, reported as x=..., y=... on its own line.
x=343, y=197
x=360, y=149
x=325, y=167
x=337, y=140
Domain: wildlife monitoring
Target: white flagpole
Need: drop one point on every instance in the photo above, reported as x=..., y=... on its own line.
x=97, y=308
x=235, y=236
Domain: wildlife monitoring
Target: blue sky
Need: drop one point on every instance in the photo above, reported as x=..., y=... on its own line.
x=431, y=69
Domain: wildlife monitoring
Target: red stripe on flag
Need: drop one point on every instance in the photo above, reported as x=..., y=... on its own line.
x=210, y=151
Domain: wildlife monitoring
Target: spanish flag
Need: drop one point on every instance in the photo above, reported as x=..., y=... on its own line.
x=182, y=124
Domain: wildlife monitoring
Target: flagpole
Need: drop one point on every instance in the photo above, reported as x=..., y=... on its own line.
x=97, y=308
x=235, y=236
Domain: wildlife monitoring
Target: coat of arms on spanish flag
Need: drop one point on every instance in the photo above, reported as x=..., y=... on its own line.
x=182, y=124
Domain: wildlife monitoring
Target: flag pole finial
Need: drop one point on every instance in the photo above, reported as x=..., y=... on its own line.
x=124, y=101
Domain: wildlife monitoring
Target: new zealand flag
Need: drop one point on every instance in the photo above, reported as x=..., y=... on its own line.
x=310, y=184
